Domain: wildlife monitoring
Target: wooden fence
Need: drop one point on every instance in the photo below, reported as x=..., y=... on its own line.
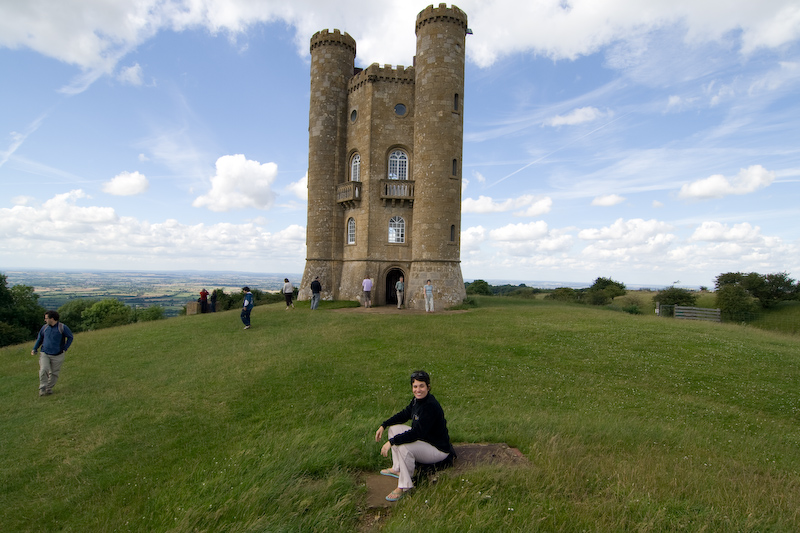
x=697, y=313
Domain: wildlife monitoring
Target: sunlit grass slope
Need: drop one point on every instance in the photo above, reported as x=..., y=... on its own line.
x=631, y=423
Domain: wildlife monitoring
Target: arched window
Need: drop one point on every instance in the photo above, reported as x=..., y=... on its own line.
x=355, y=168
x=351, y=231
x=455, y=103
x=455, y=167
x=398, y=165
x=453, y=233
x=397, y=230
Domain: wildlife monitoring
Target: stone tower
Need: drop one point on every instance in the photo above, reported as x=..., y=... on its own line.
x=384, y=166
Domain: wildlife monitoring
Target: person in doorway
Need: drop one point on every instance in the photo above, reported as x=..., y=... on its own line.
x=316, y=289
x=399, y=287
x=428, y=293
x=288, y=292
x=204, y=301
x=426, y=441
x=55, y=339
x=247, y=306
x=367, y=286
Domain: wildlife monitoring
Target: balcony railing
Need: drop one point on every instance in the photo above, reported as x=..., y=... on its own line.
x=348, y=194
x=397, y=191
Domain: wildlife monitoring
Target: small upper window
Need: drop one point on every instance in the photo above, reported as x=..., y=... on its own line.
x=353, y=115
x=400, y=110
x=355, y=168
x=452, y=233
x=397, y=230
x=455, y=167
x=455, y=103
x=398, y=165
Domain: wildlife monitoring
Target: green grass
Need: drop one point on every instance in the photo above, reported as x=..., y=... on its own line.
x=630, y=422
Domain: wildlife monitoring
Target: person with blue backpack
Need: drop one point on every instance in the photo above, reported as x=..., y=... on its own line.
x=55, y=339
x=247, y=306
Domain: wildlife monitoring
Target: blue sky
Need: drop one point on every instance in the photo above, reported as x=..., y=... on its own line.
x=651, y=143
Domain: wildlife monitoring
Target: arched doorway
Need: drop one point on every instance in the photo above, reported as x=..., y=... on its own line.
x=392, y=277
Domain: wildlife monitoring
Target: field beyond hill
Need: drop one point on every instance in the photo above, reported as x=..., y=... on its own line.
x=630, y=422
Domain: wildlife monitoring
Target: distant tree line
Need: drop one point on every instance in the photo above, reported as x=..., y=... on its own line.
x=21, y=316
x=481, y=287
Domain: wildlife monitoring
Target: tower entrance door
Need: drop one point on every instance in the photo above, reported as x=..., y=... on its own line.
x=392, y=277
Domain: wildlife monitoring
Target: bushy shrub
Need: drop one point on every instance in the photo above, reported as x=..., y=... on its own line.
x=735, y=303
x=563, y=294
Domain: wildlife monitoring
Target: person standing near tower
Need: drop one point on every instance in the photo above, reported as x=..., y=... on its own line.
x=367, y=286
x=427, y=291
x=400, y=288
x=316, y=289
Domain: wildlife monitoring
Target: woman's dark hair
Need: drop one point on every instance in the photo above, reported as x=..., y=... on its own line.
x=246, y=288
x=421, y=375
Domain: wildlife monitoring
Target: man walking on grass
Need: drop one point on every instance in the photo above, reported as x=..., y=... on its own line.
x=55, y=339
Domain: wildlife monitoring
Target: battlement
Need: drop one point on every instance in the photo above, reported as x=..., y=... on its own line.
x=335, y=38
x=387, y=73
x=441, y=14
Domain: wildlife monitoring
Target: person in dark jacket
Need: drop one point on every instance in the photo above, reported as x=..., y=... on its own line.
x=426, y=441
x=247, y=306
x=55, y=339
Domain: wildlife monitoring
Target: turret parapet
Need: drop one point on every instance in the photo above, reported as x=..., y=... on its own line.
x=336, y=38
x=441, y=13
x=388, y=73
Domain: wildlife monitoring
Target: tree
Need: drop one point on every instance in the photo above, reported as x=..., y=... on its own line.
x=154, y=312
x=20, y=313
x=729, y=278
x=106, y=314
x=604, y=290
x=675, y=296
x=769, y=289
x=773, y=289
x=479, y=287
x=72, y=311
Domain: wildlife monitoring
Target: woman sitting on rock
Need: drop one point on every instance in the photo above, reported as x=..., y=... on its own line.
x=426, y=441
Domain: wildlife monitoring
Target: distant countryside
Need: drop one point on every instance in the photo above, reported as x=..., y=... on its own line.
x=170, y=290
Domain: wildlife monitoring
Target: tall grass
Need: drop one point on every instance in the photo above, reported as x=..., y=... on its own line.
x=631, y=423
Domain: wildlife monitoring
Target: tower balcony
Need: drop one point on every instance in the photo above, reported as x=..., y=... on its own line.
x=397, y=191
x=348, y=194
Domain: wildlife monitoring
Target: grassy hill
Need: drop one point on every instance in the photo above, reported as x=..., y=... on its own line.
x=631, y=423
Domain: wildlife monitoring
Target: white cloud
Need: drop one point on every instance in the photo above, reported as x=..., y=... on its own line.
x=126, y=184
x=717, y=232
x=608, y=200
x=240, y=184
x=471, y=239
x=300, y=188
x=657, y=204
x=97, y=235
x=576, y=116
x=747, y=181
x=131, y=75
x=531, y=205
x=95, y=39
x=634, y=231
x=520, y=232
x=143, y=158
